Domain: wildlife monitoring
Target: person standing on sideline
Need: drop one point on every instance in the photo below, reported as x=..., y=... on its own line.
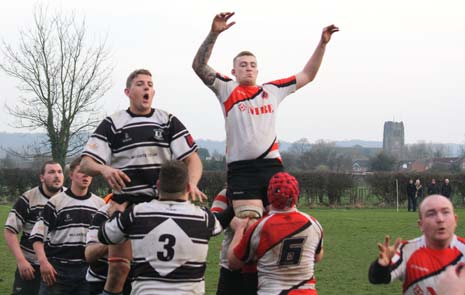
x=286, y=243
x=25, y=213
x=411, y=190
x=128, y=148
x=59, y=237
x=433, y=188
x=418, y=193
x=446, y=189
x=250, y=112
x=169, y=236
x=420, y=262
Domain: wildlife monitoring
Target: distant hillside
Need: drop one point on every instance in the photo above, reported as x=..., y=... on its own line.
x=17, y=141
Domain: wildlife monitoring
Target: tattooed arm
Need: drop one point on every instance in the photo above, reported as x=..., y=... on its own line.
x=200, y=63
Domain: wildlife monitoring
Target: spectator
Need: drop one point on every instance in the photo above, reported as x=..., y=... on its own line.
x=418, y=193
x=411, y=190
x=446, y=189
x=433, y=188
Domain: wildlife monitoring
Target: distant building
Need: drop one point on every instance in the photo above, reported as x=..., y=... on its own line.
x=393, y=139
x=360, y=166
x=445, y=163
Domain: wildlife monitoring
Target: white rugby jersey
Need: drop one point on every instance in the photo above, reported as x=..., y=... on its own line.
x=98, y=270
x=169, y=244
x=419, y=267
x=25, y=213
x=139, y=145
x=64, y=224
x=284, y=243
x=250, y=116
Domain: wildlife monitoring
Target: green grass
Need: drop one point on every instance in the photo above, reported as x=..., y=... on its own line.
x=350, y=246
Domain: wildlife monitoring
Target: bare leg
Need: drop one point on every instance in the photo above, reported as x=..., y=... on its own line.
x=119, y=264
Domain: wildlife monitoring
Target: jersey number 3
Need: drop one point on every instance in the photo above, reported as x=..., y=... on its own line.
x=168, y=243
x=291, y=251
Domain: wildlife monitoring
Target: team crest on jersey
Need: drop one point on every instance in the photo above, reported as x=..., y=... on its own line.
x=158, y=134
x=242, y=107
x=264, y=95
x=68, y=218
x=126, y=138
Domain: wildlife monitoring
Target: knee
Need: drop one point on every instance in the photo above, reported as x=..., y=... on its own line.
x=248, y=211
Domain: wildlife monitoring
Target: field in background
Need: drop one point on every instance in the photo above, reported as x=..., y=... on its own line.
x=350, y=246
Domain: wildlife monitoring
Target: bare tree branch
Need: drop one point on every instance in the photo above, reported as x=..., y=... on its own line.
x=61, y=76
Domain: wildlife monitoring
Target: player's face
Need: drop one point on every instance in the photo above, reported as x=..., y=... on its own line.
x=140, y=95
x=53, y=178
x=245, y=70
x=80, y=180
x=437, y=221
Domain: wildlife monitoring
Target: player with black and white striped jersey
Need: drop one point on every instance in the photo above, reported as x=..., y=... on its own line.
x=128, y=148
x=169, y=236
x=25, y=213
x=59, y=237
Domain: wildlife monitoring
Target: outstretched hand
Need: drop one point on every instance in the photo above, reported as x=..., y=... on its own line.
x=386, y=251
x=327, y=32
x=220, y=22
x=196, y=194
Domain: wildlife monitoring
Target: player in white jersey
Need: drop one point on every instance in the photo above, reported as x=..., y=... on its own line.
x=22, y=217
x=128, y=148
x=169, y=236
x=250, y=112
x=420, y=262
x=59, y=237
x=286, y=243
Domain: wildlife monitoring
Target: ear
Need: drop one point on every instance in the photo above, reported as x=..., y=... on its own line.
x=41, y=177
x=420, y=225
x=233, y=72
x=126, y=91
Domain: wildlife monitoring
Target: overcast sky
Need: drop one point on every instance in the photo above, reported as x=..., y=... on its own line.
x=401, y=60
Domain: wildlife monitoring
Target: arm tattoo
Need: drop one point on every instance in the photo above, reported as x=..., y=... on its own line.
x=200, y=66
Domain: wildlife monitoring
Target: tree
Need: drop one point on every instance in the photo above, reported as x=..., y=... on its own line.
x=382, y=162
x=61, y=75
x=203, y=153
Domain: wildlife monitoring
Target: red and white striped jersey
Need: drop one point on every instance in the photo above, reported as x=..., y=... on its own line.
x=284, y=243
x=419, y=267
x=250, y=116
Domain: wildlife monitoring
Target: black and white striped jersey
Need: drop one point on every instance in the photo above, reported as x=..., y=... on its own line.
x=98, y=270
x=139, y=145
x=169, y=244
x=22, y=217
x=64, y=224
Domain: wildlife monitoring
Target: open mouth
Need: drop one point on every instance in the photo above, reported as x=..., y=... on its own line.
x=146, y=96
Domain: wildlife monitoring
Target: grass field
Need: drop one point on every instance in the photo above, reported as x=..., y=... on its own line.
x=350, y=246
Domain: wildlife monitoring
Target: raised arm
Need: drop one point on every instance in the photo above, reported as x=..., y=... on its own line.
x=311, y=68
x=200, y=63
